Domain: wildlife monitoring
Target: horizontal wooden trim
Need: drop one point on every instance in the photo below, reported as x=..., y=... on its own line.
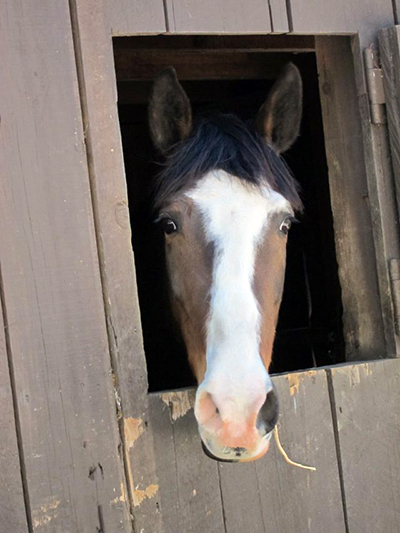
x=132, y=65
x=214, y=42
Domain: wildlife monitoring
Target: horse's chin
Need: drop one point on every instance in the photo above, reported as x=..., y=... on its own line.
x=237, y=455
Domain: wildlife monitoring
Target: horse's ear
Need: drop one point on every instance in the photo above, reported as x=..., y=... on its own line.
x=279, y=118
x=170, y=114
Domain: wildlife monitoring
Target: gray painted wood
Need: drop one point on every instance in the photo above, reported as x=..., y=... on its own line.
x=389, y=46
x=340, y=16
x=12, y=506
x=381, y=193
x=396, y=11
x=363, y=325
x=279, y=16
x=109, y=196
x=270, y=495
x=56, y=323
x=189, y=495
x=367, y=398
x=134, y=17
x=218, y=16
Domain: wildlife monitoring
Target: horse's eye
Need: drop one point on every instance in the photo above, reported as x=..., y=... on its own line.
x=167, y=225
x=286, y=225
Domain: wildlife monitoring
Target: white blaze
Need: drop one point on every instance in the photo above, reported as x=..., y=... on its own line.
x=236, y=216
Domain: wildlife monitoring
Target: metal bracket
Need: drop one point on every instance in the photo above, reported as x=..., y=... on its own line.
x=376, y=92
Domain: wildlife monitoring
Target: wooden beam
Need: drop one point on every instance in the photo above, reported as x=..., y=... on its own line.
x=295, y=43
x=132, y=65
x=363, y=324
x=389, y=46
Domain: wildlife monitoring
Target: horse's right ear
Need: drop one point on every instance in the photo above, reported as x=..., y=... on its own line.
x=170, y=113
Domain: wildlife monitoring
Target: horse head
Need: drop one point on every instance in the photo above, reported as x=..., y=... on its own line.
x=225, y=202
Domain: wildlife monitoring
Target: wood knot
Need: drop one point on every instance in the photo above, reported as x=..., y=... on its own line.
x=122, y=215
x=326, y=87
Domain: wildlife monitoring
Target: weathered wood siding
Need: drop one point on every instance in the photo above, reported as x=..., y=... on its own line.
x=83, y=447
x=57, y=340
x=366, y=402
x=12, y=505
x=342, y=420
x=254, y=16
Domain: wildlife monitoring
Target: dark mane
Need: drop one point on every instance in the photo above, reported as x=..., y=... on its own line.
x=225, y=142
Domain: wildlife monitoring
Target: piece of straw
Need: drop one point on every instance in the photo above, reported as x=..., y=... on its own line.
x=285, y=455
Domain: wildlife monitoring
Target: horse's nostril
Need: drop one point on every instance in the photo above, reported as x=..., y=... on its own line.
x=269, y=412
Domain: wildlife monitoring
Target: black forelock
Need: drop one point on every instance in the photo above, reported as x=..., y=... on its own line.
x=225, y=142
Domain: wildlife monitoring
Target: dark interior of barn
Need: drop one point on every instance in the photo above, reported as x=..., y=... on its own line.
x=235, y=80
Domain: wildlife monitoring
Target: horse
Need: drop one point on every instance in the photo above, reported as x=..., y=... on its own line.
x=225, y=201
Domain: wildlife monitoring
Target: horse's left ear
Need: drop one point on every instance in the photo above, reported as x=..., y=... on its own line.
x=279, y=118
x=170, y=113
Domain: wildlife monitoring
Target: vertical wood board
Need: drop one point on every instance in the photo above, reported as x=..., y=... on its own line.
x=340, y=16
x=51, y=280
x=279, y=16
x=367, y=398
x=389, y=46
x=12, y=506
x=110, y=203
x=218, y=16
x=134, y=17
x=270, y=495
x=381, y=194
x=189, y=496
x=362, y=319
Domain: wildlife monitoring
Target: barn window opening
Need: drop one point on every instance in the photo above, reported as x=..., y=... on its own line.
x=231, y=74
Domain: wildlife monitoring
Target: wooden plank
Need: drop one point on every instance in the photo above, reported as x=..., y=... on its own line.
x=142, y=64
x=381, y=193
x=270, y=495
x=109, y=195
x=217, y=16
x=12, y=507
x=363, y=326
x=51, y=282
x=127, y=17
x=279, y=16
x=339, y=16
x=295, y=43
x=189, y=496
x=389, y=46
x=396, y=11
x=367, y=398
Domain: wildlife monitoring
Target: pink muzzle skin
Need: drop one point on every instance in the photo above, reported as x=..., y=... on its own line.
x=234, y=438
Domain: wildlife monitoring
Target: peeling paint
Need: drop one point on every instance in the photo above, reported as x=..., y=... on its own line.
x=294, y=383
x=140, y=495
x=179, y=402
x=45, y=514
x=296, y=378
x=367, y=369
x=122, y=497
x=133, y=428
x=355, y=378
